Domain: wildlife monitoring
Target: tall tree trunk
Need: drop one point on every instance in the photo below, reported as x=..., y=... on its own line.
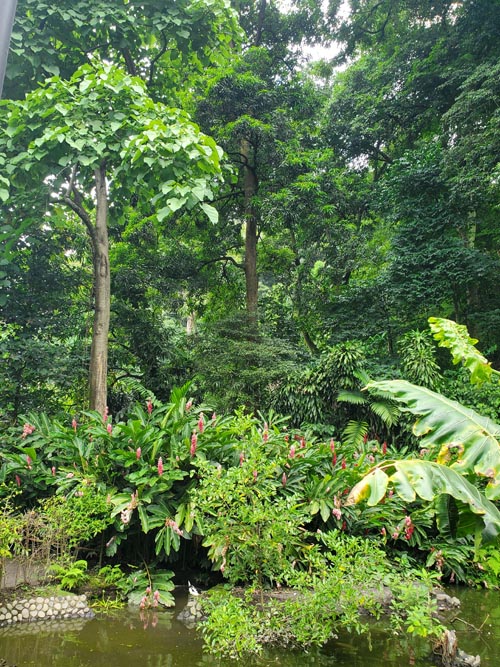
x=98, y=370
x=250, y=185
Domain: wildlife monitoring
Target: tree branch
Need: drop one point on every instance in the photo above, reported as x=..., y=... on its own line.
x=157, y=58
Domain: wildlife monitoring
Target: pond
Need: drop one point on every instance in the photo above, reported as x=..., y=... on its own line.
x=128, y=639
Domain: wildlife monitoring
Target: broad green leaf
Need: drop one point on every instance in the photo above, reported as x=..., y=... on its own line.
x=211, y=213
x=163, y=213
x=466, y=440
x=175, y=203
x=371, y=488
x=378, y=486
x=456, y=338
x=403, y=487
x=428, y=480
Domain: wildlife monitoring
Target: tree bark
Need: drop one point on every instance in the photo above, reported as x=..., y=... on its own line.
x=98, y=369
x=250, y=185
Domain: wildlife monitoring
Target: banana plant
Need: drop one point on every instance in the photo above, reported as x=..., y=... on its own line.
x=465, y=443
x=456, y=338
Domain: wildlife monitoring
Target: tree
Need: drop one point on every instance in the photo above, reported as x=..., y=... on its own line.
x=248, y=108
x=162, y=43
x=98, y=132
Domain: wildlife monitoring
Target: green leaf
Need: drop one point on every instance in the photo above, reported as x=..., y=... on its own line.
x=210, y=212
x=175, y=203
x=378, y=486
x=466, y=440
x=163, y=213
x=456, y=338
x=371, y=488
x=403, y=487
x=143, y=517
x=428, y=480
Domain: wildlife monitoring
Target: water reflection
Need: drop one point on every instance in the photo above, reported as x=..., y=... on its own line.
x=128, y=638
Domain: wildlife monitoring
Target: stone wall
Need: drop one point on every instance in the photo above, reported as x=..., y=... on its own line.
x=43, y=609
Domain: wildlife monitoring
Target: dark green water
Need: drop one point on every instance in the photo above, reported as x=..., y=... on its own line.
x=125, y=639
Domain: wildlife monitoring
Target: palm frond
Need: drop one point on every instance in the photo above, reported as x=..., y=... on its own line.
x=354, y=397
x=354, y=433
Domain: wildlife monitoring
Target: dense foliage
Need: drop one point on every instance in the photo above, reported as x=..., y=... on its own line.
x=219, y=261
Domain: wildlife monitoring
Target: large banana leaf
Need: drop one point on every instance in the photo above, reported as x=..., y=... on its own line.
x=462, y=435
x=462, y=347
x=413, y=477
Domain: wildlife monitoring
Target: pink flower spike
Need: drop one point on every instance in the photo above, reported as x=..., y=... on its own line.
x=201, y=423
x=291, y=454
x=53, y=471
x=148, y=590
x=242, y=458
x=384, y=448
x=214, y=417
x=149, y=406
x=156, y=595
x=189, y=405
x=105, y=414
x=160, y=466
x=18, y=480
x=283, y=479
x=334, y=458
x=109, y=428
x=138, y=453
x=28, y=461
x=27, y=430
x=332, y=445
x=74, y=424
x=194, y=443
x=344, y=464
